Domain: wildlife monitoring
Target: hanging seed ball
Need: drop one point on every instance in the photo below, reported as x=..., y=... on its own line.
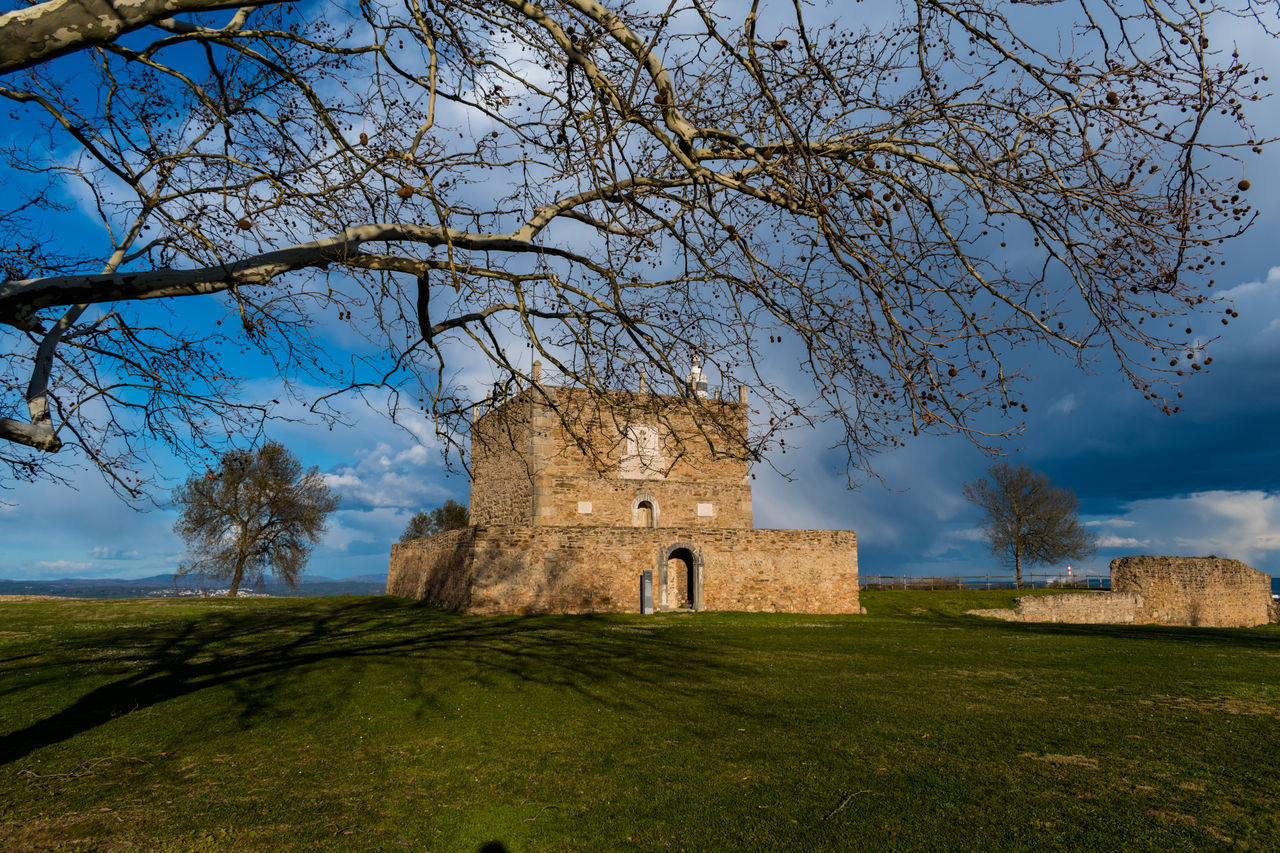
x=953, y=372
x=244, y=224
x=364, y=139
x=1113, y=98
x=405, y=191
x=1243, y=185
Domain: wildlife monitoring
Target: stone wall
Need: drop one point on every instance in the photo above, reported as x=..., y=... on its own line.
x=1081, y=608
x=437, y=568
x=609, y=502
x=502, y=466
x=1205, y=591
x=573, y=459
x=1208, y=591
x=512, y=569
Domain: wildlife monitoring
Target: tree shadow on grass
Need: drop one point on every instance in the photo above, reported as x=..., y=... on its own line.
x=1261, y=638
x=257, y=651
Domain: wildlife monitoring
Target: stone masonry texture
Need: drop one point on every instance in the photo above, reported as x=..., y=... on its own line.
x=510, y=569
x=1081, y=608
x=1208, y=591
x=575, y=494
x=538, y=456
x=1201, y=591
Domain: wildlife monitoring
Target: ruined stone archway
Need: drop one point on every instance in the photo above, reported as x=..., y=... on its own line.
x=680, y=577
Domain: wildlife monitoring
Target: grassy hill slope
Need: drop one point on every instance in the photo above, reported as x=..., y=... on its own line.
x=381, y=724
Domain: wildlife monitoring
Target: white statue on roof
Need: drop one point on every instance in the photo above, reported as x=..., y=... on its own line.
x=697, y=379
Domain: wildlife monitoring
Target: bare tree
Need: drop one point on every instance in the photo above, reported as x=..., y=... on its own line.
x=1028, y=519
x=450, y=515
x=257, y=512
x=615, y=190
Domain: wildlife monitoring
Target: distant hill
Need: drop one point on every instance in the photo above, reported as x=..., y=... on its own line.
x=168, y=586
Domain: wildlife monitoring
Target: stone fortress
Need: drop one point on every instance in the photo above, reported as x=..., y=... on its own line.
x=622, y=502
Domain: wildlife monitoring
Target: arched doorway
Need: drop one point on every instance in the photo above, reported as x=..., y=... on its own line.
x=680, y=577
x=644, y=512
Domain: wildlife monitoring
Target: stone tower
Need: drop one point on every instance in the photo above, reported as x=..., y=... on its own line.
x=588, y=501
x=565, y=457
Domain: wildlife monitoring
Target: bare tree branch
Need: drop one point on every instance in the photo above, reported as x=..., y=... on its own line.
x=865, y=224
x=44, y=31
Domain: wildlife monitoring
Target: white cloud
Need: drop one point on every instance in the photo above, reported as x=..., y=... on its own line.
x=1250, y=288
x=351, y=532
x=1121, y=542
x=1258, y=304
x=103, y=552
x=384, y=477
x=62, y=565
x=1064, y=406
x=1243, y=525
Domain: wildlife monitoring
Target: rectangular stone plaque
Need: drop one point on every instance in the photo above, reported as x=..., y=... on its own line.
x=646, y=591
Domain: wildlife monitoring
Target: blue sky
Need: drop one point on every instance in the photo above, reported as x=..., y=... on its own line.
x=1206, y=480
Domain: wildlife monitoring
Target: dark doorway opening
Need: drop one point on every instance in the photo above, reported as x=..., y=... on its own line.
x=681, y=578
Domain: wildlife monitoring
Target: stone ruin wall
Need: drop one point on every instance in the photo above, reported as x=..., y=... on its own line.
x=1201, y=591
x=509, y=569
x=1079, y=608
x=1209, y=591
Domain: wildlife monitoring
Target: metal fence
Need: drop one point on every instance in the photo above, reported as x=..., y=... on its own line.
x=1077, y=580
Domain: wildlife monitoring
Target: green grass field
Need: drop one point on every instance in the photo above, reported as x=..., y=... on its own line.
x=381, y=724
